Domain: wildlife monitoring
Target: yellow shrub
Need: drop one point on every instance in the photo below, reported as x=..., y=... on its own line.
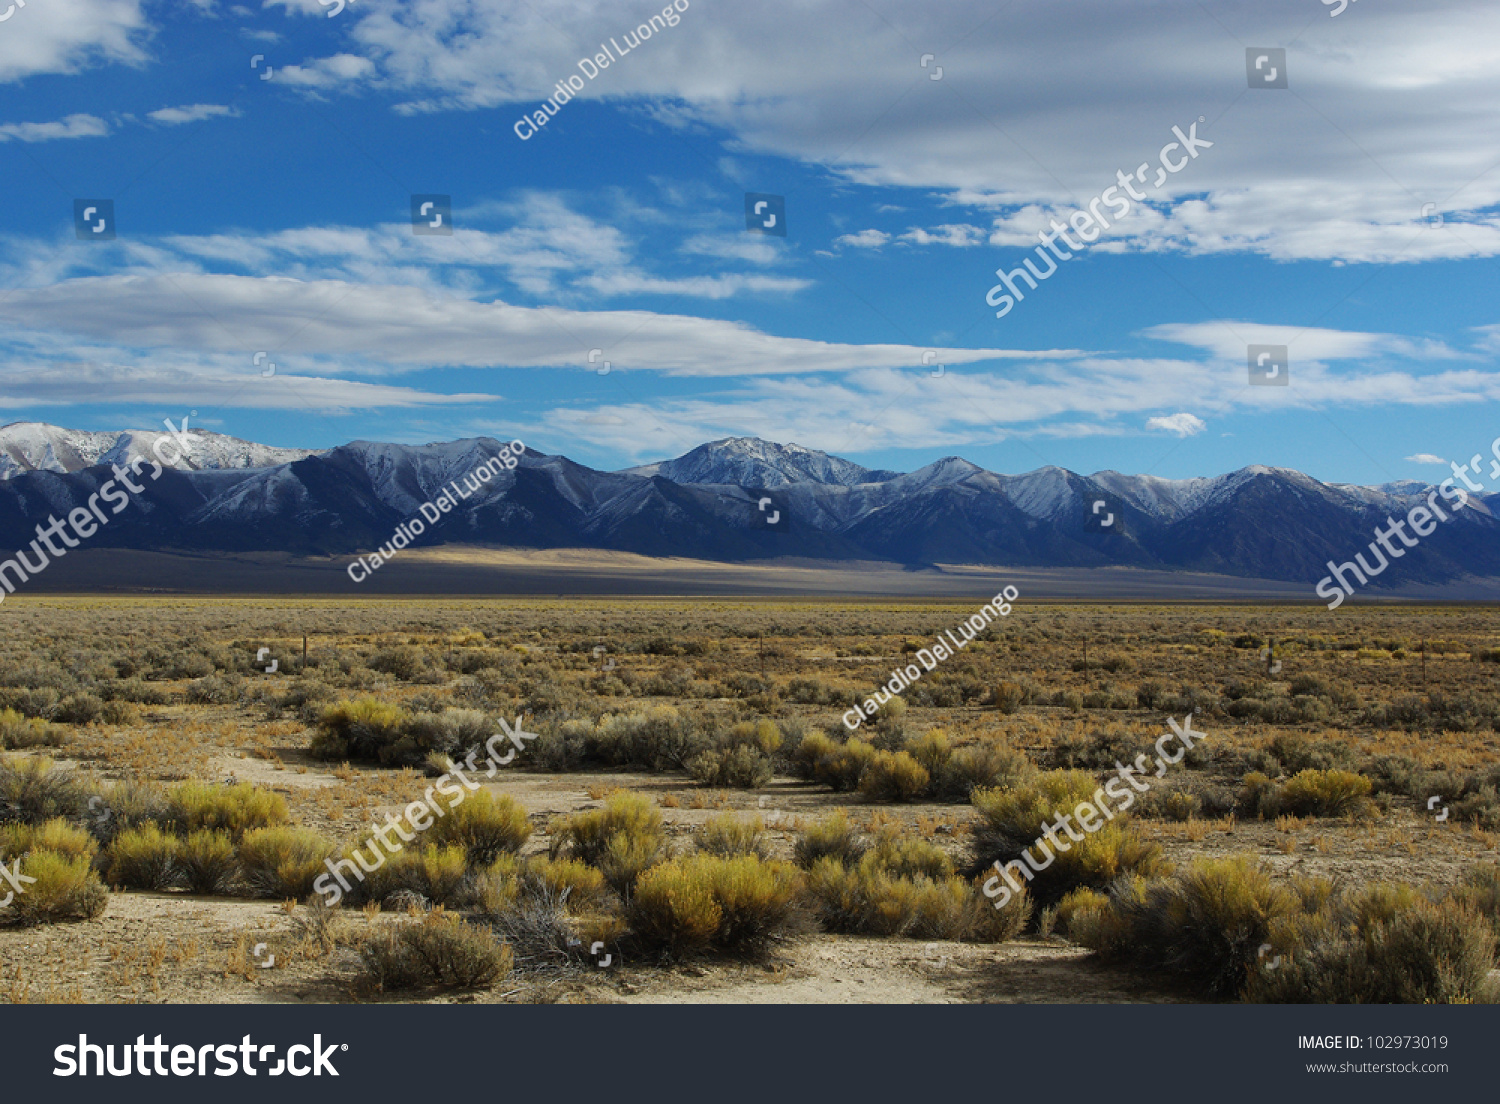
x=622, y=839
x=20, y=731
x=144, y=857
x=843, y=768
x=438, y=949
x=237, y=808
x=65, y=888
x=206, y=861
x=814, y=748
x=1009, y=697
x=497, y=887
x=1207, y=922
x=283, y=863
x=1325, y=793
x=736, y=904
x=987, y=924
x=673, y=910
x=832, y=837
x=871, y=899
x=483, y=825
x=863, y=899
x=1013, y=822
x=762, y=734
x=53, y=835
x=436, y=873
x=361, y=729
x=932, y=750
x=908, y=857
x=583, y=884
x=726, y=835
x=1075, y=903
x=893, y=776
x=943, y=909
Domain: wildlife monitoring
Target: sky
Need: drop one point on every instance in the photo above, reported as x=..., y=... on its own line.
x=601, y=296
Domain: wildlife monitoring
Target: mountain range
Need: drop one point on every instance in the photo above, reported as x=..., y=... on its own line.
x=734, y=500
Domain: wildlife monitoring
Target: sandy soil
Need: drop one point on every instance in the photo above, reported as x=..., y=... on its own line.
x=168, y=947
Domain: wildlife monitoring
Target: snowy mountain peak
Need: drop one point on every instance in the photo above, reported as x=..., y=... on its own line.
x=751, y=462
x=38, y=446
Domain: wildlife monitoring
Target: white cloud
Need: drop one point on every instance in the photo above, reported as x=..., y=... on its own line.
x=73, y=126
x=338, y=70
x=190, y=113
x=1184, y=425
x=63, y=36
x=1386, y=112
x=1089, y=396
x=960, y=235
x=109, y=376
x=702, y=287
x=751, y=248
x=403, y=328
x=302, y=7
x=549, y=251
x=865, y=239
x=1426, y=458
x=1228, y=338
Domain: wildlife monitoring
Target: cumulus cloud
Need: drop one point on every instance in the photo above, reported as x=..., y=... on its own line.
x=1426, y=458
x=64, y=36
x=190, y=113
x=865, y=239
x=1385, y=114
x=329, y=72
x=960, y=235
x=549, y=251
x=73, y=126
x=1184, y=425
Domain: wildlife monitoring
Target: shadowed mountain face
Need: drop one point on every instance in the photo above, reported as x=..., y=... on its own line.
x=735, y=500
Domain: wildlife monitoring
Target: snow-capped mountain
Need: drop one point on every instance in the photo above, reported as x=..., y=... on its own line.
x=751, y=462
x=37, y=446
x=717, y=501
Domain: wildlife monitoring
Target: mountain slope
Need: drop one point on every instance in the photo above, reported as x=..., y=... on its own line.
x=37, y=446
x=734, y=500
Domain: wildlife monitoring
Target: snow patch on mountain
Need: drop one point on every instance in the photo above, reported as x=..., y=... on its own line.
x=37, y=446
x=751, y=462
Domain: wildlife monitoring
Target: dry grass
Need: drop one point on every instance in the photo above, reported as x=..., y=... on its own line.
x=1351, y=698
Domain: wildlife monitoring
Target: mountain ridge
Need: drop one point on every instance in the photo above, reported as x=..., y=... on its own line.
x=732, y=500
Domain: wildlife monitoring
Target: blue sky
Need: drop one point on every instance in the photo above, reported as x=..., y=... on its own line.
x=273, y=216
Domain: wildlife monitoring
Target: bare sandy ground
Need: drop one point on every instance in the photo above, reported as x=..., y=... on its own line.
x=474, y=571
x=850, y=970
